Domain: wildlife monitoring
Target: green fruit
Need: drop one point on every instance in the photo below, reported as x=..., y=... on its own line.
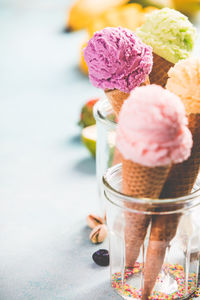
x=111, y=156
x=86, y=117
x=89, y=137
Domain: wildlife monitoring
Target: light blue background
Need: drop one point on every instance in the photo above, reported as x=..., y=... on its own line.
x=47, y=178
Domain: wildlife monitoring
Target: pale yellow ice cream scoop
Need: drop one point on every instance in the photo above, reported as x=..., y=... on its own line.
x=184, y=81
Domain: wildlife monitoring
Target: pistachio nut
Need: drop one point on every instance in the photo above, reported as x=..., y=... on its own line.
x=98, y=234
x=94, y=220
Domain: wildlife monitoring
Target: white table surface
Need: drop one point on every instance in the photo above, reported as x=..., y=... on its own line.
x=47, y=178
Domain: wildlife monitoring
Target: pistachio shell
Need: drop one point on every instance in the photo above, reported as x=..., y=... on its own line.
x=94, y=220
x=98, y=234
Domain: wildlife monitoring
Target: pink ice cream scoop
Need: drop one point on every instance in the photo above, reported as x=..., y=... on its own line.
x=152, y=129
x=117, y=59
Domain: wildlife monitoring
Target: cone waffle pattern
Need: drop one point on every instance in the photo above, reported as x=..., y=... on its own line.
x=139, y=181
x=179, y=183
x=163, y=230
x=183, y=176
x=159, y=73
x=117, y=98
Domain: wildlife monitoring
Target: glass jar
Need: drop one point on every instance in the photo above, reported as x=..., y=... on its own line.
x=166, y=266
x=106, y=155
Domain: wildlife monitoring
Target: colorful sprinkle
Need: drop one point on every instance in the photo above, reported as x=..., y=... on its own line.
x=197, y=293
x=177, y=271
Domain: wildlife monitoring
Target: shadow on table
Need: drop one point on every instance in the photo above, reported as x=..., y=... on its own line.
x=74, y=140
x=86, y=166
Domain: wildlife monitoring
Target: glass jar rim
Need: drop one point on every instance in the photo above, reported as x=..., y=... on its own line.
x=179, y=201
x=99, y=111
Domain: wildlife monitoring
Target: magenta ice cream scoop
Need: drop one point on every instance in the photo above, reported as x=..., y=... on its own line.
x=117, y=59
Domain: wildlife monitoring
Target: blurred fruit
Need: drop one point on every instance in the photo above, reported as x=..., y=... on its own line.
x=111, y=156
x=82, y=64
x=83, y=12
x=128, y=16
x=148, y=10
x=89, y=137
x=188, y=7
x=156, y=3
x=86, y=117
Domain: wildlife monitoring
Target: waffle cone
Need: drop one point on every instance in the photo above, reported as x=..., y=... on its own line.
x=182, y=176
x=143, y=182
x=179, y=183
x=117, y=97
x=163, y=230
x=159, y=73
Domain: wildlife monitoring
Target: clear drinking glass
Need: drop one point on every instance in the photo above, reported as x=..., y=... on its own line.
x=105, y=146
x=178, y=276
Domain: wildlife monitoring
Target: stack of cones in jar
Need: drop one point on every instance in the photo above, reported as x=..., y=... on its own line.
x=118, y=63
x=184, y=80
x=141, y=143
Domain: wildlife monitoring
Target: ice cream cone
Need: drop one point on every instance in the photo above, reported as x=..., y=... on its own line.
x=183, y=176
x=179, y=183
x=144, y=182
x=117, y=97
x=118, y=62
x=163, y=229
x=159, y=71
x=172, y=37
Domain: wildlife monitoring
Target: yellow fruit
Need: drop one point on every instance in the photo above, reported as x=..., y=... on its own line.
x=149, y=9
x=131, y=16
x=157, y=3
x=83, y=12
x=89, y=137
x=82, y=64
x=96, y=25
x=128, y=16
x=188, y=7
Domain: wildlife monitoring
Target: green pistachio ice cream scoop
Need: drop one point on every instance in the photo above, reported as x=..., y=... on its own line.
x=169, y=33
